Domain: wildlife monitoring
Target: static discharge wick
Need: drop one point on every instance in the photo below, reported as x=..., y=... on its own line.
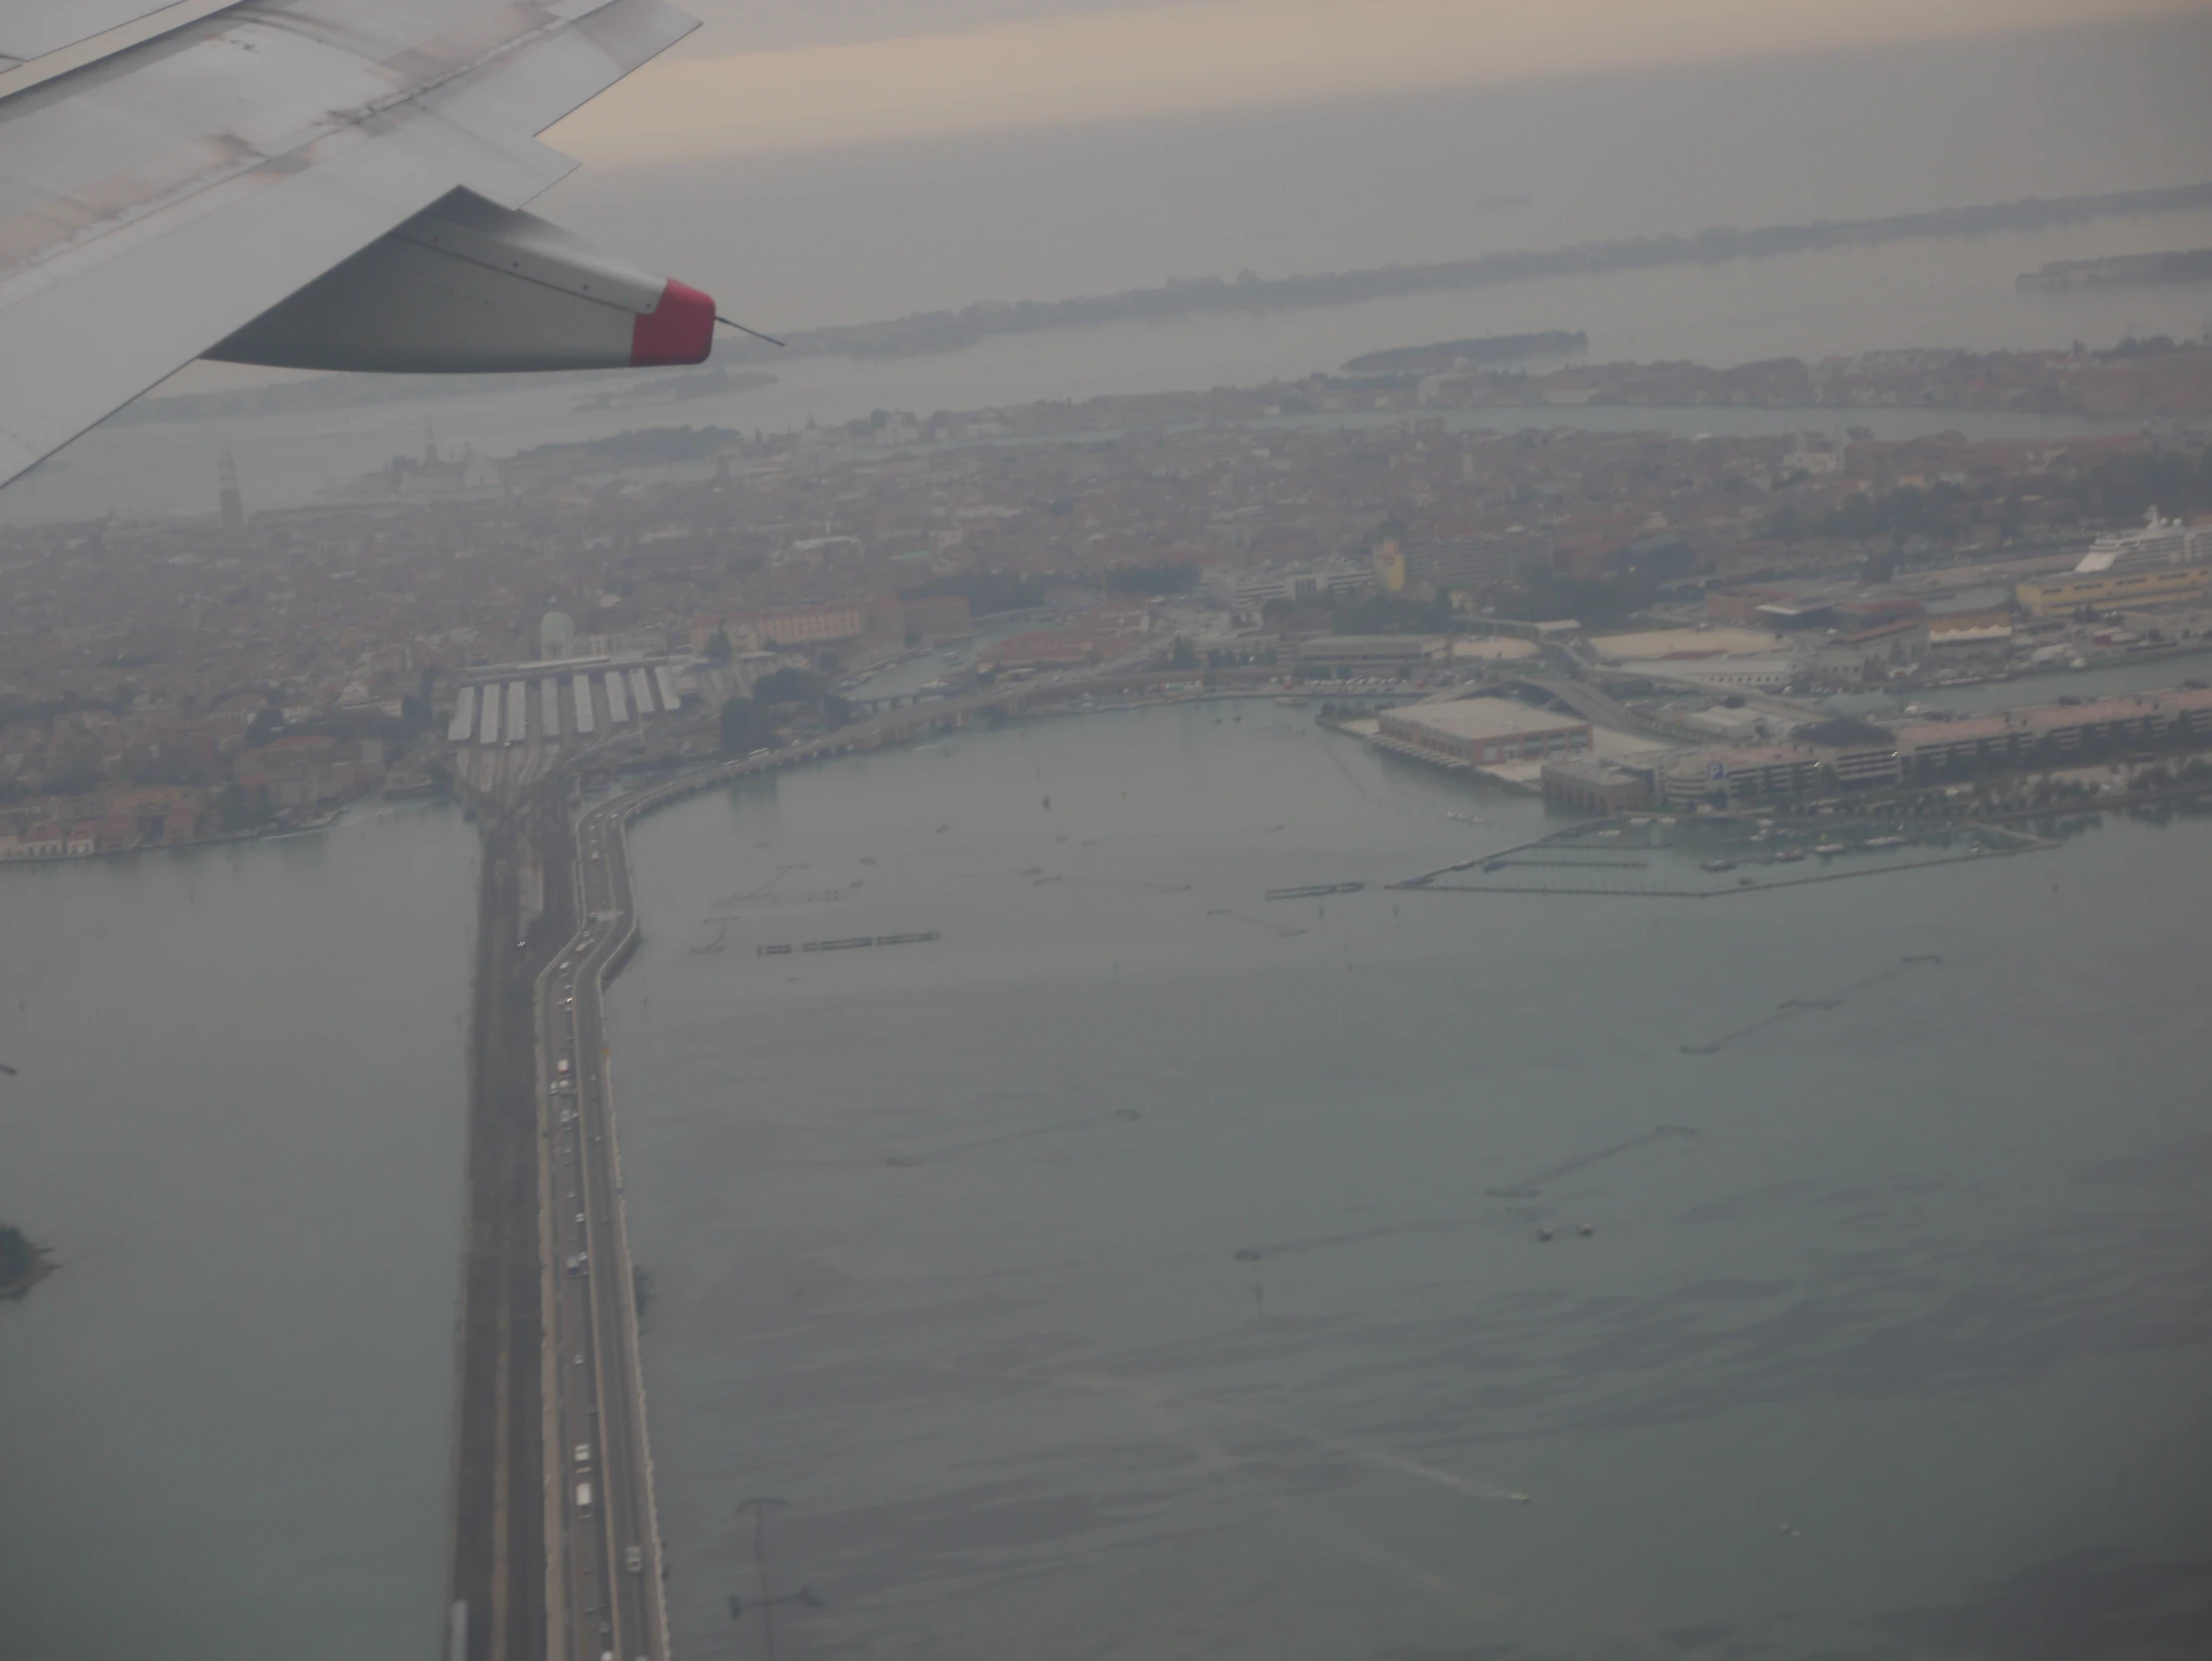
x=731, y=322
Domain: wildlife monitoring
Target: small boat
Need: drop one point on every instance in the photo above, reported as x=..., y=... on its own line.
x=1789, y=856
x=1720, y=865
x=1826, y=848
x=1885, y=842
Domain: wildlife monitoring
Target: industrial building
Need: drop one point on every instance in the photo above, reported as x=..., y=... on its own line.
x=1870, y=654
x=2058, y=596
x=1252, y=591
x=1770, y=672
x=1767, y=772
x=1597, y=785
x=1480, y=732
x=1371, y=653
x=2057, y=730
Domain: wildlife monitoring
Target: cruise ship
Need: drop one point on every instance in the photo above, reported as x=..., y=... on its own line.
x=2159, y=543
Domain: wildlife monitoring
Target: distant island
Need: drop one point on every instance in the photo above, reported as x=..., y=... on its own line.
x=2121, y=270
x=1459, y=354
x=22, y=1265
x=1191, y=296
x=929, y=331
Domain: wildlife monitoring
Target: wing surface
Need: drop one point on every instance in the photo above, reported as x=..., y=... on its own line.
x=157, y=201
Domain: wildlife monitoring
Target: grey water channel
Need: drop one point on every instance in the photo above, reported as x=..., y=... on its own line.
x=236, y=1115
x=1112, y=1278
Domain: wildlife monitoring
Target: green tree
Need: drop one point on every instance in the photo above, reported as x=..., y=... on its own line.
x=986, y=592
x=789, y=686
x=1392, y=614
x=737, y=726
x=1181, y=654
x=719, y=649
x=239, y=811
x=1174, y=577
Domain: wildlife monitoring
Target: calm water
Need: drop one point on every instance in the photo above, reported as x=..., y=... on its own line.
x=1118, y=1274
x=1956, y=293
x=225, y=1425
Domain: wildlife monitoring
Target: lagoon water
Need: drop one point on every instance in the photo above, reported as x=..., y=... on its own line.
x=1120, y=1274
x=238, y=1119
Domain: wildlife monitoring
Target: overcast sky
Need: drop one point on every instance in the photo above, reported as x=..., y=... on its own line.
x=832, y=161
x=767, y=76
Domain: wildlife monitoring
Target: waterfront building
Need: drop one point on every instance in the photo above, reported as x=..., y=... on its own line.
x=1598, y=785
x=2154, y=586
x=1982, y=627
x=2057, y=730
x=1371, y=653
x=1870, y=653
x=1732, y=775
x=1764, y=673
x=1480, y=732
x=1766, y=771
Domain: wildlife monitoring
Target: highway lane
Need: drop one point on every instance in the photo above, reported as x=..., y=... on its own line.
x=611, y=1576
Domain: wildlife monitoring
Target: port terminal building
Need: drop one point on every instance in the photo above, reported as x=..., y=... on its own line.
x=1480, y=732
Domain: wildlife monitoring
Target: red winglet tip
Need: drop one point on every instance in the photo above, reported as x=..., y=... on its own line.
x=680, y=330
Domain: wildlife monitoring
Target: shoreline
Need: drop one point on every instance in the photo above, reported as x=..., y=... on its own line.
x=263, y=833
x=42, y=1265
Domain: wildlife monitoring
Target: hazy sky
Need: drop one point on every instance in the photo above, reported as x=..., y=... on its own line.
x=828, y=161
x=767, y=76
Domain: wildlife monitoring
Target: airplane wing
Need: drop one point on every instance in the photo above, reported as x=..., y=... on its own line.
x=334, y=184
